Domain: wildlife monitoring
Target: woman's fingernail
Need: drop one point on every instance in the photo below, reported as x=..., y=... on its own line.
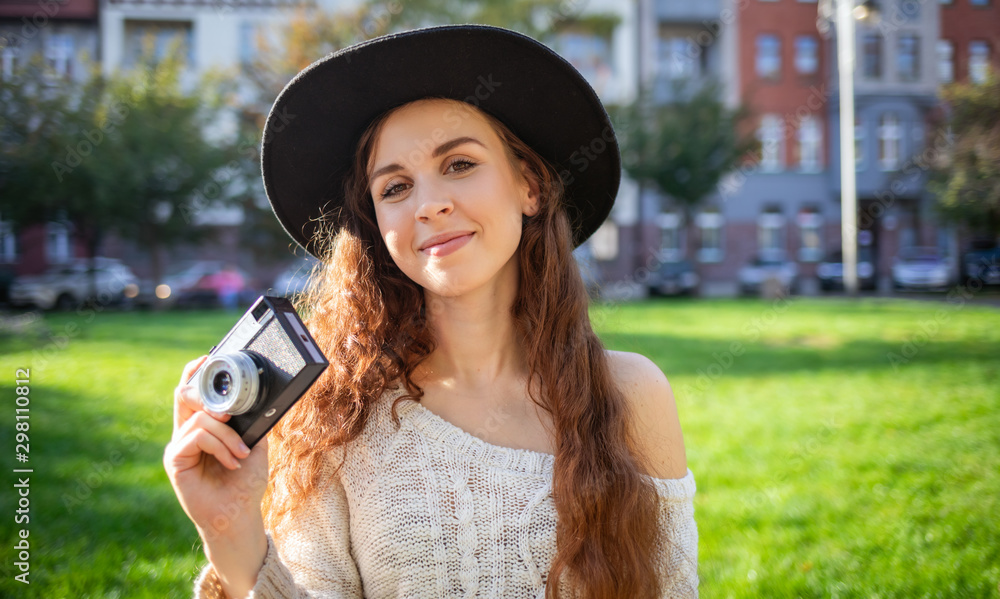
x=244, y=448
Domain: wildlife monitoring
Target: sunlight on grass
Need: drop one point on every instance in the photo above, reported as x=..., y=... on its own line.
x=840, y=448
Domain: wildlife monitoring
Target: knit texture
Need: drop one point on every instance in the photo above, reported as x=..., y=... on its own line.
x=429, y=510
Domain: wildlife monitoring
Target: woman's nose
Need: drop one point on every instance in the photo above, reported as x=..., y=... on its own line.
x=432, y=200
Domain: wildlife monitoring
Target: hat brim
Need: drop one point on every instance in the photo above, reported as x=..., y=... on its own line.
x=316, y=121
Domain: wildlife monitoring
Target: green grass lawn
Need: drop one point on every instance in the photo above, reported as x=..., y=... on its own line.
x=841, y=448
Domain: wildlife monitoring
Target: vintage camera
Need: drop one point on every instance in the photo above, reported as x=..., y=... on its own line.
x=260, y=368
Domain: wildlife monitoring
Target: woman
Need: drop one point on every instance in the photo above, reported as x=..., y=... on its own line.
x=471, y=436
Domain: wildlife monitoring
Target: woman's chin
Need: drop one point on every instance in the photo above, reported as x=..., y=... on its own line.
x=452, y=285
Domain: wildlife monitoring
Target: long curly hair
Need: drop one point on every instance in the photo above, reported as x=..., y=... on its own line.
x=370, y=321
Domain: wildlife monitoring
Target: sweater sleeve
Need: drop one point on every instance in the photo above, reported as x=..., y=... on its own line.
x=678, y=547
x=311, y=560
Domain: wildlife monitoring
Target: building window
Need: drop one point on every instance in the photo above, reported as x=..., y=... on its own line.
x=589, y=53
x=979, y=2
x=871, y=51
x=160, y=35
x=679, y=58
x=671, y=242
x=57, y=250
x=710, y=232
x=806, y=55
x=248, y=42
x=771, y=236
x=946, y=61
x=58, y=51
x=810, y=141
x=979, y=60
x=859, y=143
x=768, y=57
x=889, y=135
x=810, y=231
x=908, y=57
x=8, y=243
x=8, y=61
x=772, y=143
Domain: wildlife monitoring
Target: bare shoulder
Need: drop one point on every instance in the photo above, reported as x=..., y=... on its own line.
x=652, y=400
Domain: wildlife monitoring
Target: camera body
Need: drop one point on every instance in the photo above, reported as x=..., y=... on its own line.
x=263, y=365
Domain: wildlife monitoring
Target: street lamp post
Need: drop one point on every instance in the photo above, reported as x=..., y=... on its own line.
x=843, y=13
x=848, y=182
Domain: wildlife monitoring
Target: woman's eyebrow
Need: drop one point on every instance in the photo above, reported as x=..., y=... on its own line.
x=448, y=145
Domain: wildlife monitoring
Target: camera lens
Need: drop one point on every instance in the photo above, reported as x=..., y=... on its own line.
x=233, y=383
x=222, y=382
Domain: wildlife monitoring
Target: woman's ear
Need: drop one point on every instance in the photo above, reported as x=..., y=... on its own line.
x=531, y=204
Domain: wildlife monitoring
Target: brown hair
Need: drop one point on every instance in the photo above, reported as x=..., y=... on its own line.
x=369, y=319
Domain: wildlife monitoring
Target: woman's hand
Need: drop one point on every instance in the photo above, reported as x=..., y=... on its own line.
x=220, y=484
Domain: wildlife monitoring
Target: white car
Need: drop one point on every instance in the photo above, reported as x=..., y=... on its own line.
x=67, y=286
x=921, y=268
x=753, y=275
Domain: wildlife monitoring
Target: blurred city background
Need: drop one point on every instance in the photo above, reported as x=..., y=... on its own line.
x=131, y=133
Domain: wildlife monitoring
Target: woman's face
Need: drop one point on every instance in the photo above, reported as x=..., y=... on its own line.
x=439, y=168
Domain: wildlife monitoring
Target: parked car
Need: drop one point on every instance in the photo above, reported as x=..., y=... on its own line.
x=921, y=268
x=831, y=270
x=672, y=278
x=753, y=275
x=67, y=286
x=295, y=277
x=983, y=265
x=194, y=284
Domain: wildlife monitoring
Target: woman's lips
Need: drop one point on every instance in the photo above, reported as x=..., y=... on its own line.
x=443, y=249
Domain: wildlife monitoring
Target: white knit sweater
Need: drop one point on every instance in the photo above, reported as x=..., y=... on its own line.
x=430, y=510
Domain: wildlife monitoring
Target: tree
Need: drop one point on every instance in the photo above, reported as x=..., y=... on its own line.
x=683, y=147
x=157, y=168
x=966, y=177
x=125, y=153
x=46, y=131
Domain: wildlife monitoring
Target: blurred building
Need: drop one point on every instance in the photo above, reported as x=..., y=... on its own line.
x=768, y=54
x=785, y=205
x=66, y=35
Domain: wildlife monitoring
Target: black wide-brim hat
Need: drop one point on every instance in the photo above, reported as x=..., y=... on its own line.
x=313, y=128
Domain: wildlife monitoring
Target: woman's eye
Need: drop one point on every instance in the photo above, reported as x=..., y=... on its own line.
x=462, y=162
x=389, y=191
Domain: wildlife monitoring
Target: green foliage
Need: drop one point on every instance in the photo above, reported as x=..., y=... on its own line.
x=966, y=181
x=157, y=168
x=683, y=147
x=125, y=153
x=44, y=126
